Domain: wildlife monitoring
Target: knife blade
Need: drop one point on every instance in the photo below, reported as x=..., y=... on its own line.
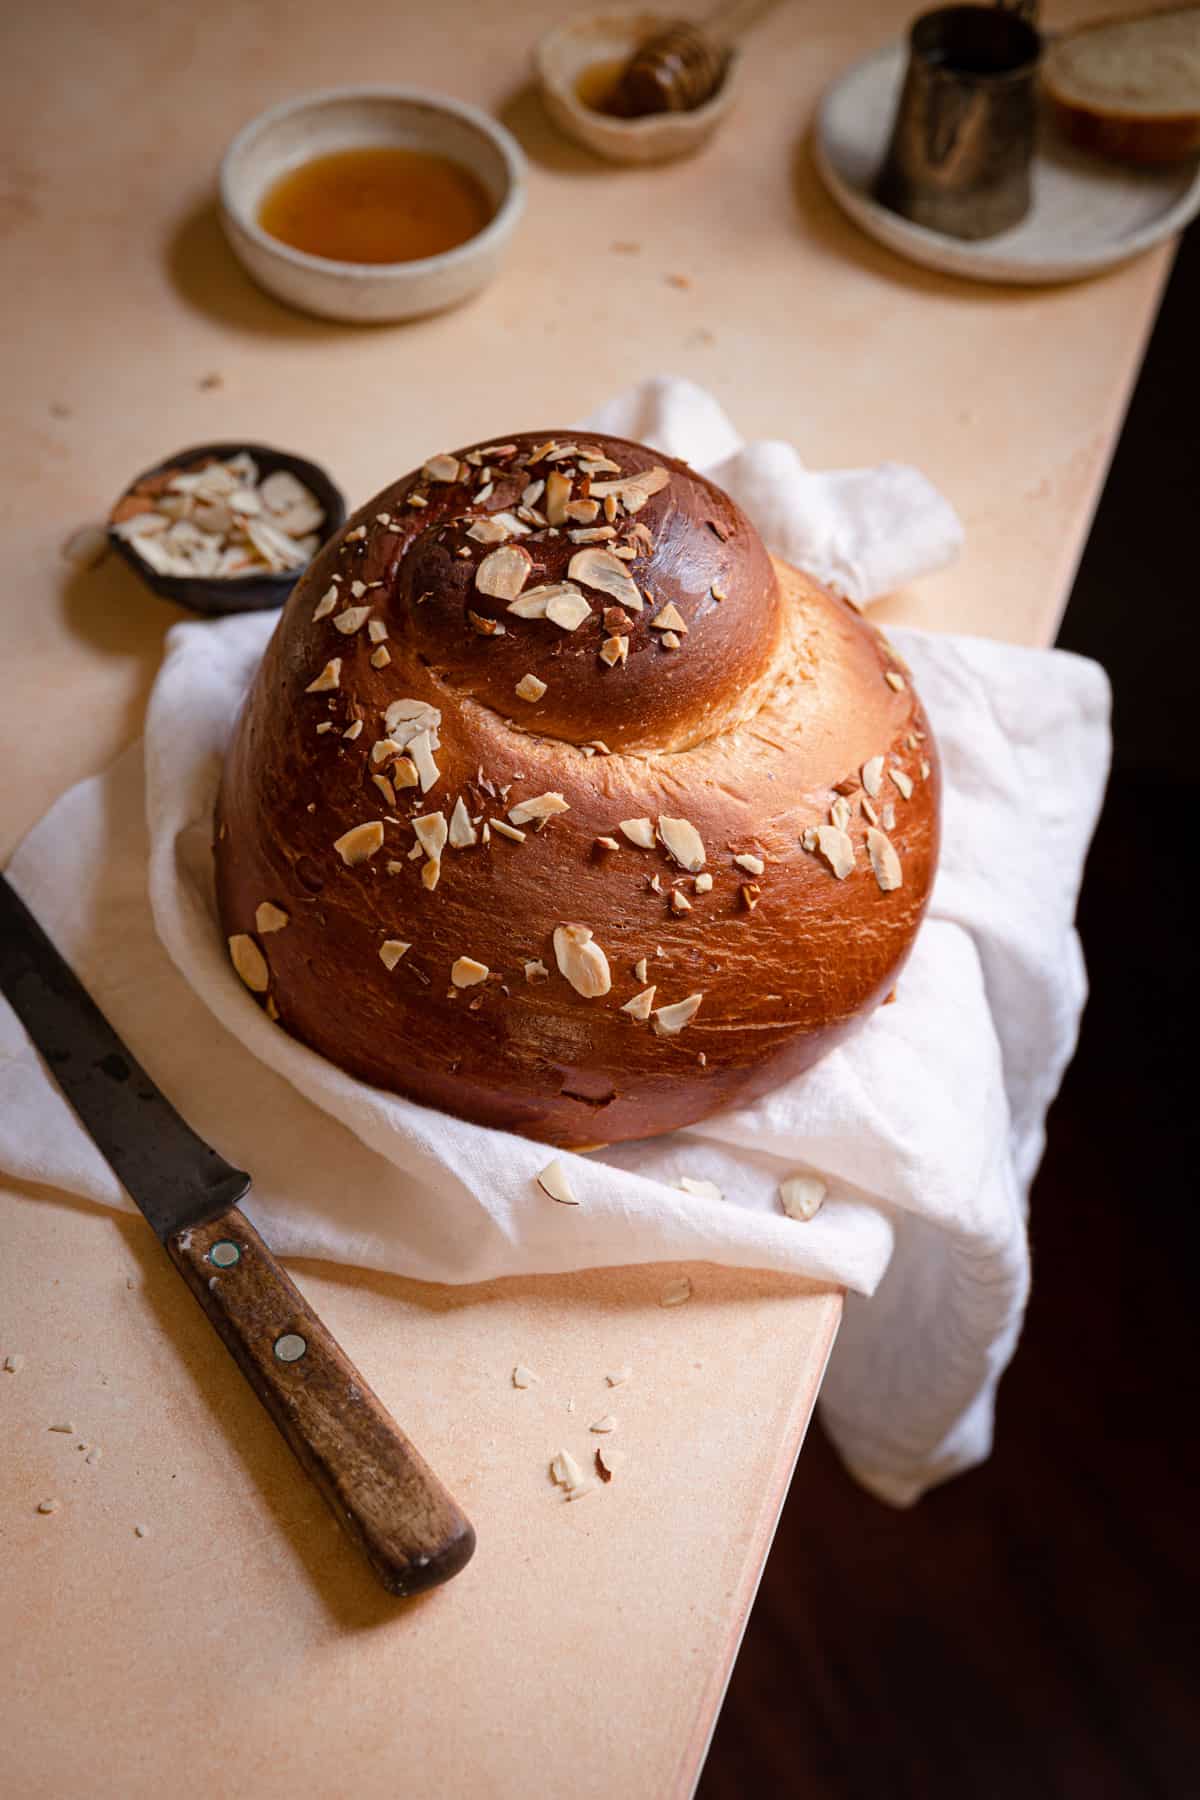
x=386, y=1498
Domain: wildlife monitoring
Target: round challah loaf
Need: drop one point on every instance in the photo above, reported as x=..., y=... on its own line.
x=557, y=803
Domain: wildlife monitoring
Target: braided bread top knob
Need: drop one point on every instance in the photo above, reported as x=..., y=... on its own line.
x=558, y=803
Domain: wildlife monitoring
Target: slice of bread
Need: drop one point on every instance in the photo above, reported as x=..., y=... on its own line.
x=1130, y=87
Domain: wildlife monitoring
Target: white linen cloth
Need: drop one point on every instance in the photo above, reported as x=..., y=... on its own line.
x=927, y=1125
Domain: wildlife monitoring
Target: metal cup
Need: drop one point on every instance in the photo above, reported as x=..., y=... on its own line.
x=963, y=139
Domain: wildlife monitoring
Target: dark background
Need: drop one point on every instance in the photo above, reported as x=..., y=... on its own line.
x=1030, y=1629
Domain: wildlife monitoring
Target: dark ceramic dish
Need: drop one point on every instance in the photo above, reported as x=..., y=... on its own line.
x=255, y=592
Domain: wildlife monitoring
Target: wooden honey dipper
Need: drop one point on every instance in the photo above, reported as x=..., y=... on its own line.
x=682, y=64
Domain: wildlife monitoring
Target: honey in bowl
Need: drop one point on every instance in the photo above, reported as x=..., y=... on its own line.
x=378, y=205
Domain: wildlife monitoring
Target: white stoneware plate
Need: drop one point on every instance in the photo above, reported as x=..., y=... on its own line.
x=1087, y=215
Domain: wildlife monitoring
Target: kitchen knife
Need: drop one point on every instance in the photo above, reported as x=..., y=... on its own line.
x=381, y=1492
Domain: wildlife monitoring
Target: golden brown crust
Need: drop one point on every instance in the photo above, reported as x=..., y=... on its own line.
x=774, y=700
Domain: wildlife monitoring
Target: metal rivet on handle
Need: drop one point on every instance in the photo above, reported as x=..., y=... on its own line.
x=290, y=1347
x=225, y=1253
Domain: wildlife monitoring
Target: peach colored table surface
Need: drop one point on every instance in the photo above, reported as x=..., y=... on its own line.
x=238, y=1648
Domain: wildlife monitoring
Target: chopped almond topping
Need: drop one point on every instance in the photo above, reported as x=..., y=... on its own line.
x=924, y=770
x=508, y=831
x=583, y=512
x=751, y=892
x=431, y=874
x=325, y=604
x=683, y=842
x=753, y=865
x=250, y=963
x=639, y=832
x=581, y=960
x=325, y=725
x=403, y=774
x=837, y=849
x=391, y=950
x=533, y=493
x=670, y=640
x=488, y=531
x=533, y=603
x=536, y=971
x=553, y=1181
x=633, y=490
x=641, y=1006
x=895, y=680
x=381, y=658
x=680, y=902
x=485, y=627
x=421, y=752
x=869, y=811
x=462, y=833
x=802, y=1196
x=444, y=469
x=884, y=861
x=639, y=969
x=872, y=776
x=600, y=569
x=676, y=1292
x=360, y=843
x=329, y=677
x=353, y=730
x=431, y=832
x=607, y=843
x=839, y=814
x=568, y=610
x=558, y=492
x=669, y=619
x=352, y=619
x=503, y=573
x=530, y=688
x=269, y=918
x=541, y=806
x=614, y=650
x=466, y=972
x=670, y=1020
x=902, y=781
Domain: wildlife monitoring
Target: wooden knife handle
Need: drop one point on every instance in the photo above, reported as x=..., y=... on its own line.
x=380, y=1490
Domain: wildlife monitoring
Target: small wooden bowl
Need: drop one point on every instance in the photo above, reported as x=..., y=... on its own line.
x=220, y=594
x=561, y=58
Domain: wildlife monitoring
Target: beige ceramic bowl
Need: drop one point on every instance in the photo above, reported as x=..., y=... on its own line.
x=561, y=57
x=355, y=119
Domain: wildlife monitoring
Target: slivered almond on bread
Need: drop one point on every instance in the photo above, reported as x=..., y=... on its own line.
x=1130, y=87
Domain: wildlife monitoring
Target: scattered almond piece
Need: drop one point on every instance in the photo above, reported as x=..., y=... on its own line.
x=530, y=688
x=895, y=680
x=553, y=1181
x=669, y=619
x=581, y=960
x=536, y=971
x=249, y=962
x=903, y=782
x=639, y=969
x=884, y=861
x=802, y=1196
x=837, y=849
x=328, y=679
x=352, y=619
x=360, y=843
x=639, y=832
x=608, y=1460
x=504, y=572
x=641, y=1006
x=466, y=972
x=670, y=1020
x=683, y=842
x=391, y=950
x=872, y=776
x=540, y=806
x=381, y=658
x=753, y=865
x=676, y=1292
x=702, y=1189
x=268, y=917
x=600, y=569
